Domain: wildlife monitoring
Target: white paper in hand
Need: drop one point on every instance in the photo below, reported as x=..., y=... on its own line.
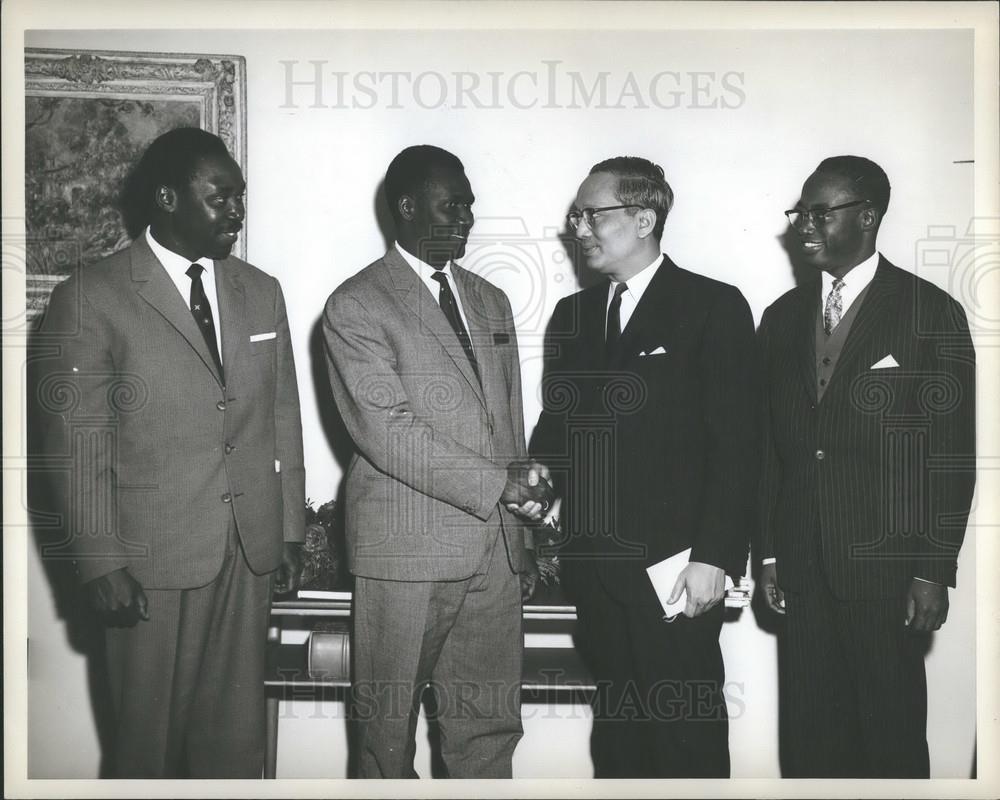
x=664, y=574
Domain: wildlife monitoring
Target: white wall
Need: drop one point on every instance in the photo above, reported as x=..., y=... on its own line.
x=902, y=98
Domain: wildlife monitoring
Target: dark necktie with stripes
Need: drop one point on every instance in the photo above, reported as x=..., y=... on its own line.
x=202, y=312
x=446, y=299
x=613, y=328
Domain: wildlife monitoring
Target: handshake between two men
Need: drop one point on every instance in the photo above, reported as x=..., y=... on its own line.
x=529, y=494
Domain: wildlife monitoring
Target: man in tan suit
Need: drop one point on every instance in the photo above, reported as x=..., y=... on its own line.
x=172, y=399
x=424, y=368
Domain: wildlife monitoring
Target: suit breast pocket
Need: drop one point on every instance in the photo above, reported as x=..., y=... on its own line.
x=654, y=365
x=665, y=378
x=263, y=347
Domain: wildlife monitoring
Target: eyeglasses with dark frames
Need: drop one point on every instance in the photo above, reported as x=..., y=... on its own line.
x=587, y=214
x=817, y=216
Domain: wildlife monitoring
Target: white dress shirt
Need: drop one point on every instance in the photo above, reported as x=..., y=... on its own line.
x=425, y=272
x=855, y=282
x=633, y=294
x=177, y=267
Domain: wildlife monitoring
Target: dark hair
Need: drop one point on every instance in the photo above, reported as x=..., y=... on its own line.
x=869, y=178
x=411, y=169
x=641, y=183
x=170, y=160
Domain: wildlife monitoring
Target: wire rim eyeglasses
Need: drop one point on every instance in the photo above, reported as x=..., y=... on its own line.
x=573, y=218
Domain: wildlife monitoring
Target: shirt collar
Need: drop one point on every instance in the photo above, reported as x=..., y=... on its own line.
x=857, y=279
x=172, y=262
x=422, y=268
x=638, y=283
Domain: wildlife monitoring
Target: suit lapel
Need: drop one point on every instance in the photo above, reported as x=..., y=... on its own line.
x=479, y=323
x=653, y=307
x=232, y=314
x=155, y=287
x=592, y=319
x=874, y=311
x=415, y=296
x=804, y=335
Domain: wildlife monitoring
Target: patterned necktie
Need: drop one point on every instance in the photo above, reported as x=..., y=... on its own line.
x=834, y=307
x=613, y=327
x=202, y=313
x=446, y=299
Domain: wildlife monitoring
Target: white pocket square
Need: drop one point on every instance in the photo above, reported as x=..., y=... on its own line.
x=263, y=337
x=886, y=363
x=659, y=351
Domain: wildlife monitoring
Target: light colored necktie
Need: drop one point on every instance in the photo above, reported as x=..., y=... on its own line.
x=834, y=307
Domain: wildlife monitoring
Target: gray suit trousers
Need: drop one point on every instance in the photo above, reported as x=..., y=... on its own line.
x=463, y=639
x=188, y=684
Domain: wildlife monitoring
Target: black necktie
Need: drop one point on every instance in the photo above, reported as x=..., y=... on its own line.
x=613, y=328
x=446, y=299
x=202, y=312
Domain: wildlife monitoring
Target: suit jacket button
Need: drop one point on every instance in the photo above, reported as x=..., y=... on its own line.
x=227, y=498
x=221, y=405
x=229, y=448
x=820, y=455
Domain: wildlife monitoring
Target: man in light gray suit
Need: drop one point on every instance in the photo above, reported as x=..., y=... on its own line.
x=171, y=399
x=423, y=363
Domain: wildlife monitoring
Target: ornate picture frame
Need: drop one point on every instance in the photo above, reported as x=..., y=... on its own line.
x=89, y=114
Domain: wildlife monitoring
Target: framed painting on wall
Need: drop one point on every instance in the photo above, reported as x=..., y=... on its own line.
x=89, y=115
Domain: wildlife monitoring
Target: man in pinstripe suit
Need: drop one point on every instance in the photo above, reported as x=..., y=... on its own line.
x=867, y=483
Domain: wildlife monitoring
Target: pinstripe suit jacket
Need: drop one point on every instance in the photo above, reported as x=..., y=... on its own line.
x=881, y=472
x=157, y=455
x=432, y=444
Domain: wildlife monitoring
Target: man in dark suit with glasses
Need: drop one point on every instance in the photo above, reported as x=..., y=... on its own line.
x=650, y=429
x=867, y=482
